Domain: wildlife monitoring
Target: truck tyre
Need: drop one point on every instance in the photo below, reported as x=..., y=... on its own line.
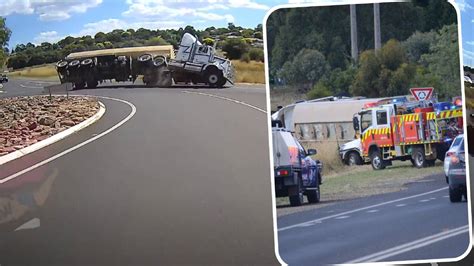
x=61, y=64
x=353, y=159
x=455, y=195
x=74, y=63
x=314, y=195
x=418, y=157
x=297, y=200
x=87, y=62
x=145, y=58
x=376, y=160
x=92, y=84
x=164, y=78
x=214, y=77
x=79, y=85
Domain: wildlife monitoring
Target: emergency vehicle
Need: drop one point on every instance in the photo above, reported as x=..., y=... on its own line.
x=406, y=130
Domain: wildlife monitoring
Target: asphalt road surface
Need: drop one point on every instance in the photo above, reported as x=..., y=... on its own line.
x=185, y=180
x=418, y=223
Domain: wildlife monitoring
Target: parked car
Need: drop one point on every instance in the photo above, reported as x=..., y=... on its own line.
x=296, y=173
x=3, y=78
x=455, y=170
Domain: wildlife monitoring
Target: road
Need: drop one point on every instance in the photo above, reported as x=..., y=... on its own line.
x=185, y=180
x=415, y=224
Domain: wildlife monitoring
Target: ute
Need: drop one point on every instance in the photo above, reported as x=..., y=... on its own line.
x=414, y=131
x=296, y=173
x=193, y=62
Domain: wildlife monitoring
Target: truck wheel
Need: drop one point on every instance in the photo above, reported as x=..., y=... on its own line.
x=74, y=63
x=297, y=200
x=87, y=62
x=455, y=195
x=376, y=160
x=314, y=195
x=61, y=64
x=214, y=77
x=92, y=84
x=221, y=83
x=164, y=78
x=79, y=85
x=145, y=58
x=353, y=159
x=418, y=157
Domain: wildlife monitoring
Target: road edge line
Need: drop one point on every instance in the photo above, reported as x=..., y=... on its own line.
x=55, y=138
x=359, y=209
x=227, y=99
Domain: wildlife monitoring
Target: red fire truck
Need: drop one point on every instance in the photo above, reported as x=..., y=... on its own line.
x=409, y=131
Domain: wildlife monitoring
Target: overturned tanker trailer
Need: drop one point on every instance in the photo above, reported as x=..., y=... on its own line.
x=194, y=63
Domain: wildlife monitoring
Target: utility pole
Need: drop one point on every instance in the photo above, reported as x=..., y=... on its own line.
x=377, y=39
x=354, y=47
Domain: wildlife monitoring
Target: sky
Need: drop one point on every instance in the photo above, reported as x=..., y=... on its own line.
x=38, y=21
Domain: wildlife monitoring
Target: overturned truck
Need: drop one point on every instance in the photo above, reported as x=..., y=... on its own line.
x=160, y=66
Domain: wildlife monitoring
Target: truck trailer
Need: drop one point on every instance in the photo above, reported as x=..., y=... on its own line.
x=160, y=66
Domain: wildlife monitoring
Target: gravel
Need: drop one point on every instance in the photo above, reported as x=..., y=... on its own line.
x=27, y=120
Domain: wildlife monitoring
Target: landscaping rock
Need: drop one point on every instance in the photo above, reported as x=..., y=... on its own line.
x=27, y=120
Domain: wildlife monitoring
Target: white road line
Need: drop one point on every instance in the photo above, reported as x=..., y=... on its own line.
x=342, y=217
x=424, y=200
x=132, y=113
x=361, y=209
x=227, y=99
x=31, y=87
x=401, y=205
x=372, y=211
x=411, y=245
x=31, y=224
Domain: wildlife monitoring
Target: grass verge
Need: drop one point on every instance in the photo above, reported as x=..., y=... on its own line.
x=37, y=72
x=251, y=72
x=361, y=181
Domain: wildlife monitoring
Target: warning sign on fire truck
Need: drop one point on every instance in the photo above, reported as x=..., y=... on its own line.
x=422, y=94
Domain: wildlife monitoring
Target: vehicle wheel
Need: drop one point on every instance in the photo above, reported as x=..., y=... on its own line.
x=79, y=85
x=92, y=84
x=221, y=83
x=164, y=78
x=418, y=157
x=61, y=64
x=87, y=62
x=353, y=159
x=376, y=160
x=314, y=195
x=213, y=77
x=145, y=58
x=297, y=200
x=455, y=195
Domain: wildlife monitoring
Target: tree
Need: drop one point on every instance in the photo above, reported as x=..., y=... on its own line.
x=418, y=44
x=307, y=68
x=235, y=47
x=156, y=41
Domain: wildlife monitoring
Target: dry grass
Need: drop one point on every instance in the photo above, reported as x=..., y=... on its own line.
x=252, y=72
x=42, y=72
x=328, y=154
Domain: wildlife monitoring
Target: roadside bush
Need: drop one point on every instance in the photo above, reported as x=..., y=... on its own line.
x=245, y=58
x=256, y=54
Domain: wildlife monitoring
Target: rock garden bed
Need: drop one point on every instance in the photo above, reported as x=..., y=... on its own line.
x=27, y=120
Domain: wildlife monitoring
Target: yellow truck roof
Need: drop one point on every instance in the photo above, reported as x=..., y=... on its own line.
x=165, y=50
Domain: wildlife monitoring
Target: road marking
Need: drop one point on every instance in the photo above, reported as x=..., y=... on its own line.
x=445, y=196
x=227, y=99
x=372, y=211
x=424, y=200
x=31, y=224
x=411, y=245
x=132, y=113
x=342, y=217
x=362, y=209
x=432, y=198
x=401, y=205
x=31, y=87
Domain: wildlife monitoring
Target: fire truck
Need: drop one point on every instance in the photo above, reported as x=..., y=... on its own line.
x=410, y=130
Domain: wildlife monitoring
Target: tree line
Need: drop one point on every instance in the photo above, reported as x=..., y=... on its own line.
x=236, y=42
x=310, y=49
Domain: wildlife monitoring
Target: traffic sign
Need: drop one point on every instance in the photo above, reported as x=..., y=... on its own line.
x=422, y=94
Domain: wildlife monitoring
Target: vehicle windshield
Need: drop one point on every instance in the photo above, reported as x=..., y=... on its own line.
x=456, y=142
x=365, y=120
